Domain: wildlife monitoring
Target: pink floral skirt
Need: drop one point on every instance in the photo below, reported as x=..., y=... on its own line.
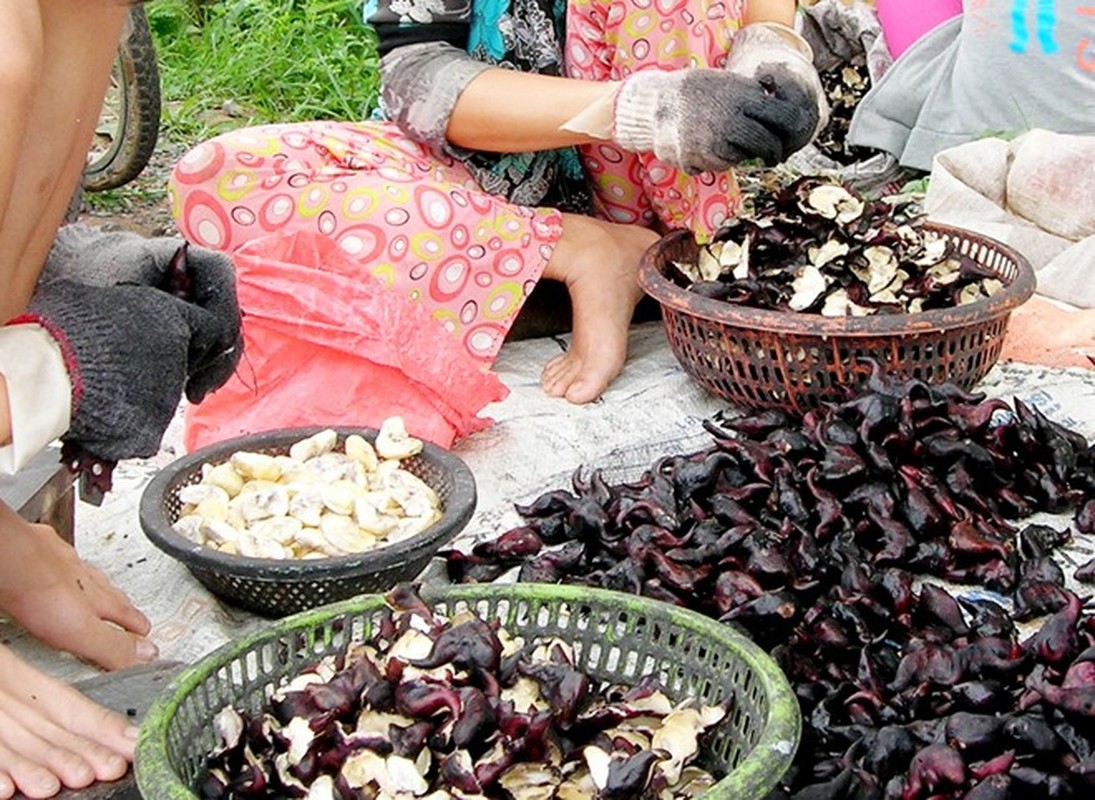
x=416, y=222
x=421, y=223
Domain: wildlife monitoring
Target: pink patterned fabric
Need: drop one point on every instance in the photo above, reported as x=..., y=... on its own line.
x=609, y=40
x=418, y=222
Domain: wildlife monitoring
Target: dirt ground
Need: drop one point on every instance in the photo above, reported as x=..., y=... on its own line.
x=140, y=206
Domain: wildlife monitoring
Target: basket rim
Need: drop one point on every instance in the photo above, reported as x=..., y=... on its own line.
x=156, y=526
x=774, y=750
x=652, y=281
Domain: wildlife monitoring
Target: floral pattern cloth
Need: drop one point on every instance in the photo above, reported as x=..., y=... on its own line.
x=444, y=228
x=420, y=224
x=610, y=40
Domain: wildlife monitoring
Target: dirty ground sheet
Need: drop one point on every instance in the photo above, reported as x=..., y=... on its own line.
x=653, y=409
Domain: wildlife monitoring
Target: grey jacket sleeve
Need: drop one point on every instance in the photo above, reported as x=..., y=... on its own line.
x=420, y=86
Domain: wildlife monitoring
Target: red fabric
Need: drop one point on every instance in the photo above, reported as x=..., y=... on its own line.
x=904, y=22
x=325, y=343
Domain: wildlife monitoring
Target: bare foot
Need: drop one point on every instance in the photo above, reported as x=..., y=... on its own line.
x=1040, y=332
x=65, y=602
x=598, y=262
x=53, y=736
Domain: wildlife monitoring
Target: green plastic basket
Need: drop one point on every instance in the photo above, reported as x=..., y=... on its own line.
x=616, y=637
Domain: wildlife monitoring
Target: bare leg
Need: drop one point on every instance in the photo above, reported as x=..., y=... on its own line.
x=55, y=58
x=598, y=262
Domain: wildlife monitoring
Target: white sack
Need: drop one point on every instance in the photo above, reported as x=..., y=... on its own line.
x=1035, y=193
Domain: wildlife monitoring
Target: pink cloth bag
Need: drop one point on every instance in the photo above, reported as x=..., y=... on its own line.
x=905, y=21
x=325, y=343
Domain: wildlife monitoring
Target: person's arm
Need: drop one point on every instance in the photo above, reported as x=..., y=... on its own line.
x=513, y=112
x=442, y=96
x=782, y=11
x=696, y=120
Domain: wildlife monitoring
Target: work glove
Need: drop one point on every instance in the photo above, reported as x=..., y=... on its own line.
x=129, y=352
x=765, y=104
x=203, y=277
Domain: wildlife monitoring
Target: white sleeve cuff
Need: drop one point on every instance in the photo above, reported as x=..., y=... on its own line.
x=39, y=392
x=596, y=119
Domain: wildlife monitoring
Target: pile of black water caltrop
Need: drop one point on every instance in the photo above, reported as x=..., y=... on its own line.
x=808, y=532
x=844, y=85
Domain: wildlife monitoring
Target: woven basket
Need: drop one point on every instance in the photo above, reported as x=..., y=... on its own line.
x=760, y=358
x=276, y=587
x=617, y=638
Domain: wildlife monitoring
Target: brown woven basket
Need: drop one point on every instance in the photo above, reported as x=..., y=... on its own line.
x=759, y=358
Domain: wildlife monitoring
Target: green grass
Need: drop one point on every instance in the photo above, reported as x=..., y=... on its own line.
x=243, y=62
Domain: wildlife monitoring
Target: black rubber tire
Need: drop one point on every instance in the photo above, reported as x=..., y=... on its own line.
x=130, y=125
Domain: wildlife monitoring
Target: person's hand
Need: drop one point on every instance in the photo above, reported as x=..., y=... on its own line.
x=81, y=254
x=51, y=736
x=707, y=120
x=131, y=352
x=65, y=602
x=762, y=48
x=764, y=105
x=1042, y=332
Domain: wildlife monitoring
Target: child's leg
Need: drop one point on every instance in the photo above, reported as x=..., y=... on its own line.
x=609, y=41
x=55, y=58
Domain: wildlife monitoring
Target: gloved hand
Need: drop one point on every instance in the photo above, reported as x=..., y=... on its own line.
x=129, y=351
x=763, y=46
x=206, y=278
x=763, y=105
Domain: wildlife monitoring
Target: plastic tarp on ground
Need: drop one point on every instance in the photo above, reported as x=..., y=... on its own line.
x=653, y=409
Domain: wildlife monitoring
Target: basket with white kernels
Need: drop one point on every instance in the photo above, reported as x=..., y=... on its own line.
x=319, y=500
x=290, y=519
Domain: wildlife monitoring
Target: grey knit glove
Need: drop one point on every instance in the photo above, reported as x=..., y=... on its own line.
x=129, y=351
x=83, y=254
x=766, y=104
x=206, y=278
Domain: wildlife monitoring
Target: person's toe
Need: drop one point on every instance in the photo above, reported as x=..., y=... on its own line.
x=585, y=389
x=558, y=374
x=25, y=776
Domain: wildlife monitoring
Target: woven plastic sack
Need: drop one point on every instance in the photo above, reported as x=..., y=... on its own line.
x=326, y=343
x=1033, y=193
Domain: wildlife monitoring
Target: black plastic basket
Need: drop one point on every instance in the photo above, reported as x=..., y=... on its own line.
x=617, y=638
x=276, y=587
